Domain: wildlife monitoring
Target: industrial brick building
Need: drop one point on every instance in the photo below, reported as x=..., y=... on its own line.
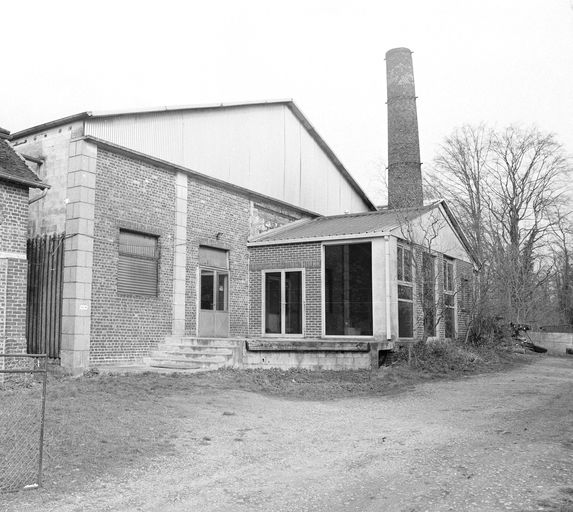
x=157, y=208
x=233, y=235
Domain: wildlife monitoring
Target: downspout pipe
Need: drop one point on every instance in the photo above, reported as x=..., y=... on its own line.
x=38, y=197
x=39, y=162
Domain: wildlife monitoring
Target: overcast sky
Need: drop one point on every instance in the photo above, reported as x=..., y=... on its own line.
x=496, y=61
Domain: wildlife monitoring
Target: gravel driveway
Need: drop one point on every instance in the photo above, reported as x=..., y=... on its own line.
x=501, y=441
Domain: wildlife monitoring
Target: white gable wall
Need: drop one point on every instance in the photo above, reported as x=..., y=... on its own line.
x=263, y=148
x=433, y=231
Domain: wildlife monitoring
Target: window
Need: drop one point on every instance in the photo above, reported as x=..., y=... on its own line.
x=214, y=290
x=449, y=299
x=429, y=293
x=405, y=293
x=283, y=300
x=137, y=270
x=348, y=289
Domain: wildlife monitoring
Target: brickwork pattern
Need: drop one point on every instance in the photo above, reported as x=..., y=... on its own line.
x=225, y=219
x=130, y=195
x=13, y=217
x=221, y=218
x=265, y=216
x=404, y=168
x=279, y=257
x=13, y=267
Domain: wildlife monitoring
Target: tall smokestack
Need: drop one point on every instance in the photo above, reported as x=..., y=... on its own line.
x=404, y=167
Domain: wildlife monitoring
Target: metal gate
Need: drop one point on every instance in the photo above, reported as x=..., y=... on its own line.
x=22, y=406
x=44, y=299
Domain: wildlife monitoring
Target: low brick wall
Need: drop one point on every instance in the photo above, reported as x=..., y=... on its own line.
x=556, y=343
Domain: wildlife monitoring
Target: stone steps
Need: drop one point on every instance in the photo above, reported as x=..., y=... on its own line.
x=186, y=352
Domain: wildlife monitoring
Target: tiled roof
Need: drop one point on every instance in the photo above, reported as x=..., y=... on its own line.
x=353, y=224
x=13, y=168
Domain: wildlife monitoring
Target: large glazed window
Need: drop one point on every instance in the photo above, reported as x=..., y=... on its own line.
x=429, y=293
x=449, y=299
x=137, y=270
x=348, y=289
x=405, y=293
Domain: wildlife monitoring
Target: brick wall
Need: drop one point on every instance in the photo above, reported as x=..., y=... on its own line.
x=218, y=217
x=13, y=267
x=13, y=217
x=307, y=256
x=141, y=197
x=224, y=218
x=265, y=216
x=131, y=195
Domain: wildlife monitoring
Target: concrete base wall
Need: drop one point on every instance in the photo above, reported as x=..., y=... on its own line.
x=556, y=343
x=307, y=360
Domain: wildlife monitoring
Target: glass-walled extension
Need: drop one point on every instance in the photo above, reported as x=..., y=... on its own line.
x=348, y=289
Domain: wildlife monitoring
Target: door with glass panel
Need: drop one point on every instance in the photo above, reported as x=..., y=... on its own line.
x=213, y=294
x=283, y=302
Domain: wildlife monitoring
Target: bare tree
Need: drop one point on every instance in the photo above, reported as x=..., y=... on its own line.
x=562, y=250
x=460, y=174
x=505, y=186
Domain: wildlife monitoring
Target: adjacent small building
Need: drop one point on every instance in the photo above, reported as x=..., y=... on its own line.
x=387, y=277
x=16, y=179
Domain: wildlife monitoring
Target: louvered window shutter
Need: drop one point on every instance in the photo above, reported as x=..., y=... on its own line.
x=137, y=272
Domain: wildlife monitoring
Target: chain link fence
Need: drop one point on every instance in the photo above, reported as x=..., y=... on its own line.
x=22, y=405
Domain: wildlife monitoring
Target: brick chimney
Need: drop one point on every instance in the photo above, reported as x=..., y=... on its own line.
x=404, y=167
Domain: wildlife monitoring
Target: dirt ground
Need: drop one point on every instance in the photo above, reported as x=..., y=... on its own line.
x=491, y=442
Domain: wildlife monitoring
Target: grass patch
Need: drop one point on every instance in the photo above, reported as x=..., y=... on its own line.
x=99, y=425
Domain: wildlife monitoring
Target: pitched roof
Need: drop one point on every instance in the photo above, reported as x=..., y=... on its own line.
x=340, y=226
x=357, y=225
x=14, y=169
x=289, y=103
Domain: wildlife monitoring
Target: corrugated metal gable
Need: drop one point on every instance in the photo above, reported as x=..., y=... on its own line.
x=264, y=148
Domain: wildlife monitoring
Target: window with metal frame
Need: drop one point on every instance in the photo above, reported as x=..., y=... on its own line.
x=430, y=305
x=405, y=293
x=348, y=289
x=138, y=263
x=449, y=299
x=283, y=301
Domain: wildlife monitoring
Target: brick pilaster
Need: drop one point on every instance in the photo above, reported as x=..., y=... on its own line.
x=180, y=254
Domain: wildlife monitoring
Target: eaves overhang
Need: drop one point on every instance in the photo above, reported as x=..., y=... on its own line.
x=50, y=124
x=23, y=181
x=331, y=238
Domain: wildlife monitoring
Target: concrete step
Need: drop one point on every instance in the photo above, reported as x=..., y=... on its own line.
x=190, y=352
x=195, y=349
x=197, y=342
x=188, y=356
x=188, y=364
x=172, y=365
